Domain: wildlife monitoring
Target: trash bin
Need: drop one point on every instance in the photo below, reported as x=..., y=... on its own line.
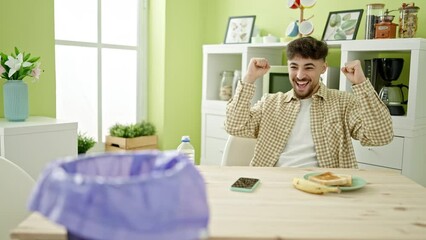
x=140, y=195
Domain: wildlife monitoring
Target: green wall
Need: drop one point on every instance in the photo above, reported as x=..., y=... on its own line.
x=156, y=66
x=28, y=25
x=177, y=31
x=273, y=16
x=175, y=65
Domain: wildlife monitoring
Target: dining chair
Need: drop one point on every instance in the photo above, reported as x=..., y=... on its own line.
x=238, y=151
x=15, y=188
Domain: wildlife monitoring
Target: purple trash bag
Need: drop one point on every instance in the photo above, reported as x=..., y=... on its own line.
x=141, y=195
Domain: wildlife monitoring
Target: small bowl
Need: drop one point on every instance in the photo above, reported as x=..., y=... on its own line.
x=257, y=39
x=270, y=39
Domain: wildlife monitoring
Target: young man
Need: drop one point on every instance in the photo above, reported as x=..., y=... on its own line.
x=311, y=125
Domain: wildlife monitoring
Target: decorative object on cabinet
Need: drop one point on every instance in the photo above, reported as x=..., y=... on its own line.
x=292, y=29
x=130, y=137
x=408, y=20
x=225, y=92
x=373, y=13
x=342, y=25
x=257, y=39
x=239, y=29
x=84, y=143
x=14, y=68
x=302, y=26
x=15, y=96
x=385, y=28
x=270, y=39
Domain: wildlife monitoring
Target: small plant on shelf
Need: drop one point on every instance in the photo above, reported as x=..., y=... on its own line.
x=125, y=137
x=143, y=128
x=84, y=143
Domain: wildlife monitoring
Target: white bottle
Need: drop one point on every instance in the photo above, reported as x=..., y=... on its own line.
x=186, y=148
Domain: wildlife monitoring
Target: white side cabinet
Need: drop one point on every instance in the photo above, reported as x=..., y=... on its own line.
x=37, y=141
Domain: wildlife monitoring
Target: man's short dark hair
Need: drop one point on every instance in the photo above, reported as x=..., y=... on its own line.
x=307, y=47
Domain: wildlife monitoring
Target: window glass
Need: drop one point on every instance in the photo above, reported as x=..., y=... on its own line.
x=118, y=87
x=76, y=88
x=76, y=20
x=119, y=22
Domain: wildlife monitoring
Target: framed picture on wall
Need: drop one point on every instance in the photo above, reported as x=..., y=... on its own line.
x=239, y=29
x=342, y=25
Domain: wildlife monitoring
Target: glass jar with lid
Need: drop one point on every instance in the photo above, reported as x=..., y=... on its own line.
x=225, y=92
x=408, y=20
x=374, y=13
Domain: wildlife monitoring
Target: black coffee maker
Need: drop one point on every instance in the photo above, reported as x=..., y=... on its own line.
x=392, y=95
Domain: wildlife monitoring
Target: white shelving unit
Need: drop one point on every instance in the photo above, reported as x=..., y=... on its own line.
x=406, y=154
x=37, y=141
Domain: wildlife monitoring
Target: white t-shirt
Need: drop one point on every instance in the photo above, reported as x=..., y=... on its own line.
x=300, y=149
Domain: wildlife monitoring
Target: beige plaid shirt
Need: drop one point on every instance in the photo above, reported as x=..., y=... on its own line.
x=336, y=117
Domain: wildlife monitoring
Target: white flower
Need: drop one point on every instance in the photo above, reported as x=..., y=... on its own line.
x=15, y=63
x=35, y=73
x=17, y=66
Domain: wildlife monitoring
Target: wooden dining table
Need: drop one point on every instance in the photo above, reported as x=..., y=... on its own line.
x=389, y=206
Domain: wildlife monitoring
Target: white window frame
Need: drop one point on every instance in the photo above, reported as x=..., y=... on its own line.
x=142, y=61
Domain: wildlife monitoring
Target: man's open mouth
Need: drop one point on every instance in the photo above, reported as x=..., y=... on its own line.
x=302, y=84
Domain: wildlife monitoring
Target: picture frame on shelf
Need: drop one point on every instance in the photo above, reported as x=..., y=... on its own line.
x=342, y=25
x=239, y=29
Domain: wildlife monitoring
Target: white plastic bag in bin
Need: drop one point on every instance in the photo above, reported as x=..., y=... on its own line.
x=122, y=196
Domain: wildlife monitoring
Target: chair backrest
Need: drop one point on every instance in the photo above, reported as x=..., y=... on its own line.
x=15, y=188
x=238, y=151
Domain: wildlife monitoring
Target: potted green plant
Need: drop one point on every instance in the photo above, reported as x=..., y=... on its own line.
x=138, y=136
x=84, y=143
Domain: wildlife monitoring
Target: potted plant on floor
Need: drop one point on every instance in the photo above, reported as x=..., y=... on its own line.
x=129, y=137
x=84, y=143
